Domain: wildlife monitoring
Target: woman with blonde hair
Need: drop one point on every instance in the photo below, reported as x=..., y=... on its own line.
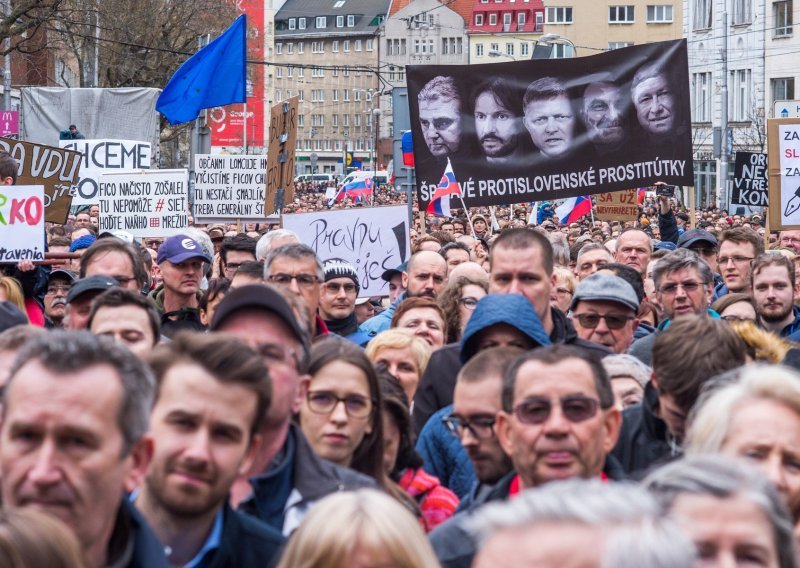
x=356, y=530
x=405, y=356
x=752, y=413
x=29, y=538
x=11, y=291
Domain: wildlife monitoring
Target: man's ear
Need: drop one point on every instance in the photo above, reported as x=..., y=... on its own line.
x=302, y=391
x=139, y=459
x=404, y=279
x=247, y=462
x=502, y=428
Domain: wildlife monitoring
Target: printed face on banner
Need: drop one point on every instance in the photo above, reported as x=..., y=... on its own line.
x=540, y=130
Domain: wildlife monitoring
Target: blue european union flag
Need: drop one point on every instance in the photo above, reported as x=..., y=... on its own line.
x=214, y=76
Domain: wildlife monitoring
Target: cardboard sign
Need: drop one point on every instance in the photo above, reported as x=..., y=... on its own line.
x=750, y=180
x=229, y=188
x=783, y=143
x=55, y=169
x=22, y=213
x=100, y=156
x=148, y=203
x=372, y=239
x=280, y=155
x=618, y=206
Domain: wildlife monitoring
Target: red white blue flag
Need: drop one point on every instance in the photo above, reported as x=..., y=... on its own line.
x=358, y=190
x=440, y=200
x=573, y=209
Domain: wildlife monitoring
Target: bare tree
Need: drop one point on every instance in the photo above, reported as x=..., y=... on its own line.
x=20, y=20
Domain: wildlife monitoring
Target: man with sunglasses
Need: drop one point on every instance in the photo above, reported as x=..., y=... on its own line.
x=604, y=311
x=337, y=301
x=558, y=421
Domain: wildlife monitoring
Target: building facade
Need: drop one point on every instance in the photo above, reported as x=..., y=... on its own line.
x=326, y=53
x=504, y=30
x=781, y=46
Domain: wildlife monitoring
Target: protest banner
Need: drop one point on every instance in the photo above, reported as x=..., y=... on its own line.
x=783, y=159
x=22, y=214
x=750, y=180
x=104, y=155
x=546, y=129
x=55, y=169
x=373, y=239
x=280, y=155
x=147, y=203
x=618, y=205
x=229, y=188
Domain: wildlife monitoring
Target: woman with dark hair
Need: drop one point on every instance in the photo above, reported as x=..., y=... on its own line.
x=458, y=300
x=403, y=464
x=422, y=317
x=216, y=291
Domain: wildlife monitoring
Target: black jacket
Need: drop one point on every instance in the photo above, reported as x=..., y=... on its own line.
x=246, y=543
x=644, y=440
x=130, y=528
x=455, y=547
x=312, y=479
x=668, y=227
x=437, y=384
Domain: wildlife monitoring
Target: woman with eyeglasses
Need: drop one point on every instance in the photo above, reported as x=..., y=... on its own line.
x=736, y=307
x=458, y=301
x=561, y=293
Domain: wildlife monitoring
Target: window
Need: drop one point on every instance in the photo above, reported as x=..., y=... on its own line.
x=279, y=72
x=346, y=93
x=317, y=72
x=520, y=20
x=299, y=47
x=292, y=24
x=301, y=120
x=335, y=95
x=478, y=19
x=335, y=46
x=402, y=47
x=659, y=14
x=507, y=20
x=317, y=47
x=357, y=118
x=561, y=51
x=278, y=48
x=619, y=44
x=492, y=19
x=423, y=47
x=620, y=14
x=345, y=71
x=510, y=49
x=369, y=44
x=339, y=21
x=357, y=96
x=335, y=120
x=478, y=50
x=335, y=72
x=346, y=45
x=301, y=95
x=782, y=12
x=524, y=49
x=742, y=12
x=301, y=23
x=351, y=21
x=278, y=95
x=701, y=97
x=346, y=120
x=337, y=145
x=559, y=15
x=322, y=22
x=702, y=14
x=289, y=71
x=289, y=48
x=782, y=89
x=301, y=72
x=317, y=95
x=357, y=46
x=317, y=120
x=740, y=109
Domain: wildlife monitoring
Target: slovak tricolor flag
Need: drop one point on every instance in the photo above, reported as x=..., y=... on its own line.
x=640, y=195
x=357, y=190
x=407, y=146
x=573, y=209
x=448, y=186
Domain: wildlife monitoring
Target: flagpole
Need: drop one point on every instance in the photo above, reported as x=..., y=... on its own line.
x=469, y=217
x=244, y=149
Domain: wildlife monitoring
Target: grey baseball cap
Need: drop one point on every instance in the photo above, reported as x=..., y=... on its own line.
x=607, y=288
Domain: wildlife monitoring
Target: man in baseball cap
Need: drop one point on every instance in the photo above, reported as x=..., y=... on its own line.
x=604, y=311
x=80, y=296
x=55, y=299
x=394, y=276
x=707, y=248
x=180, y=259
x=337, y=301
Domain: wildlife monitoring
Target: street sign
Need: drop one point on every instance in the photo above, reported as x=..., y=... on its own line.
x=9, y=124
x=786, y=109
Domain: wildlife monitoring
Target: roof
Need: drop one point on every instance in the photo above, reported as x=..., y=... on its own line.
x=461, y=7
x=500, y=7
x=368, y=14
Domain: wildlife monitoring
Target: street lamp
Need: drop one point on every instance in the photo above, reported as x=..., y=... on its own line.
x=376, y=113
x=498, y=53
x=555, y=38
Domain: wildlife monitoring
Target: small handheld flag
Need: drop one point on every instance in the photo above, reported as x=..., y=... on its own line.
x=448, y=186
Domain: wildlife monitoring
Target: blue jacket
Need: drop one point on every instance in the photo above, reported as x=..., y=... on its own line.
x=147, y=552
x=792, y=331
x=444, y=455
x=545, y=212
x=383, y=321
x=246, y=542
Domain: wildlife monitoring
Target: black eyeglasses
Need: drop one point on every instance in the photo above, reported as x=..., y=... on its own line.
x=574, y=408
x=736, y=318
x=613, y=321
x=323, y=402
x=481, y=427
x=469, y=302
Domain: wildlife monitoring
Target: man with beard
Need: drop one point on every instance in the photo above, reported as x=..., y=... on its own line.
x=498, y=122
x=603, y=114
x=55, y=299
x=201, y=447
x=773, y=278
x=549, y=117
x=440, y=116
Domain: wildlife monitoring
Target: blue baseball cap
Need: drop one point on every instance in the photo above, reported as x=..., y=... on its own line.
x=180, y=248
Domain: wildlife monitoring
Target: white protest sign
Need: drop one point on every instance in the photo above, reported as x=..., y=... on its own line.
x=229, y=187
x=21, y=223
x=789, y=144
x=373, y=239
x=105, y=156
x=147, y=203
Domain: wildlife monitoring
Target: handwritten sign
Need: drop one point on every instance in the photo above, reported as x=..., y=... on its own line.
x=750, y=180
x=617, y=206
x=55, y=169
x=148, y=203
x=229, y=187
x=22, y=214
x=101, y=156
x=372, y=239
x=280, y=155
x=783, y=157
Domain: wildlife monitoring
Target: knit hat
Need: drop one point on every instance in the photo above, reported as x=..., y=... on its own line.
x=339, y=268
x=624, y=365
x=82, y=242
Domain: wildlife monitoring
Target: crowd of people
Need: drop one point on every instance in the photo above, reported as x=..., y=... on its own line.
x=528, y=394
